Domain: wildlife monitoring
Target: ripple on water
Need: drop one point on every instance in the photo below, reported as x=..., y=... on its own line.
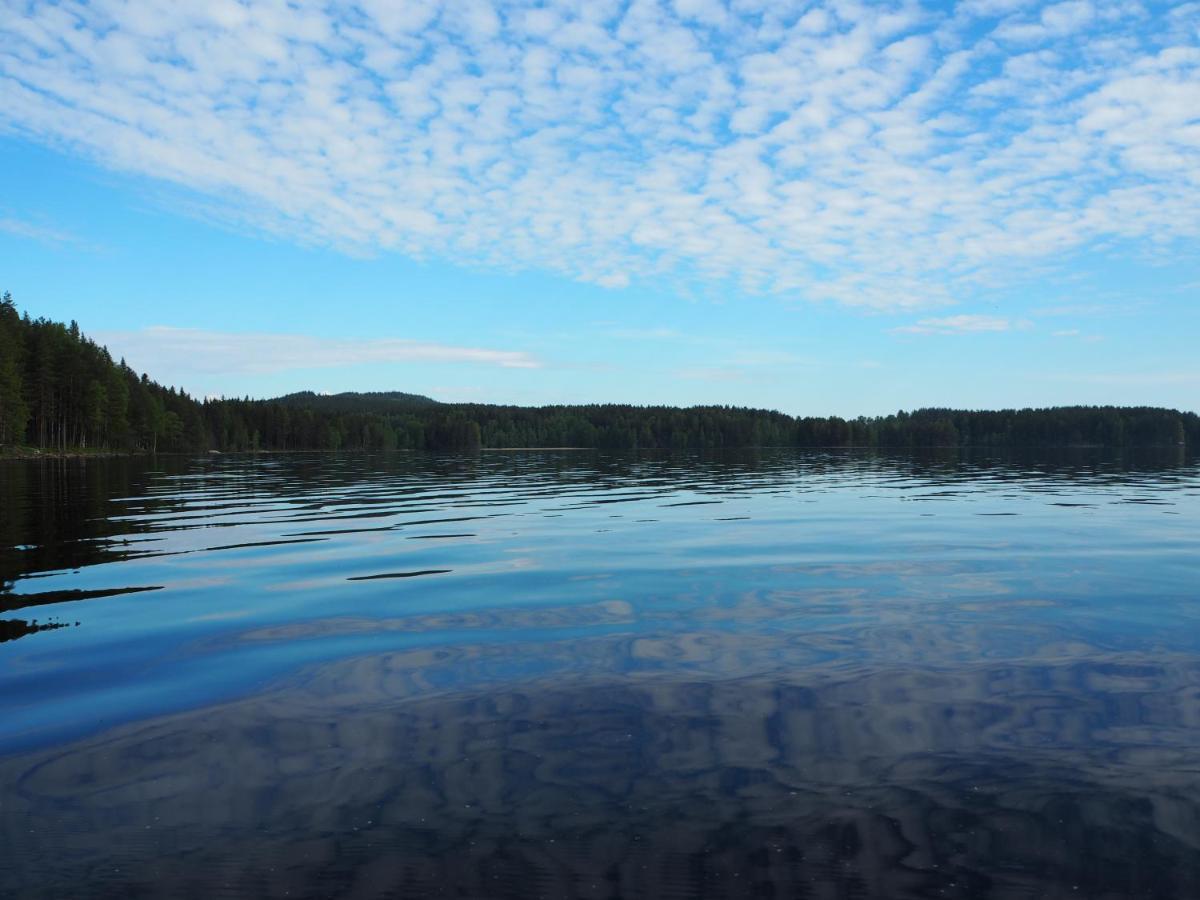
x=867, y=675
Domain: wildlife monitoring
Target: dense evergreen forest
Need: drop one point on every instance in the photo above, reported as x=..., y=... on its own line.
x=61, y=392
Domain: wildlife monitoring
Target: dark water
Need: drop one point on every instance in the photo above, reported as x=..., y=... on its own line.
x=527, y=674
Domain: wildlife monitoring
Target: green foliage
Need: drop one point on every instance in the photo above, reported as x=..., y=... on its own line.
x=14, y=412
x=379, y=402
x=59, y=391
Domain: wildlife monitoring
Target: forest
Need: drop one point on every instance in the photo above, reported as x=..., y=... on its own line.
x=60, y=392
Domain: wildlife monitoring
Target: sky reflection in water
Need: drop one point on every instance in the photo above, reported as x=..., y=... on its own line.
x=569, y=674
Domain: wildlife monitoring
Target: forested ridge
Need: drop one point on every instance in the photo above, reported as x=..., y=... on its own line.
x=61, y=392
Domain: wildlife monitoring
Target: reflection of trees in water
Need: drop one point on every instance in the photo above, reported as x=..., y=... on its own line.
x=1077, y=778
x=63, y=509
x=57, y=512
x=11, y=629
x=57, y=515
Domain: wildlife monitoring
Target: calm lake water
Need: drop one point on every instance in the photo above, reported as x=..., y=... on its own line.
x=567, y=674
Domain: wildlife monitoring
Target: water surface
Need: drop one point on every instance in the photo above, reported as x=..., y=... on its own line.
x=569, y=674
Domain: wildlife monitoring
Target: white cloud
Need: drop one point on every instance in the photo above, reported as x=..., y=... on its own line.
x=185, y=350
x=888, y=155
x=961, y=324
x=1070, y=16
x=46, y=235
x=1077, y=334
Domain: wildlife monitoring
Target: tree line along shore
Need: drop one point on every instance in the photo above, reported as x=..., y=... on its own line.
x=62, y=393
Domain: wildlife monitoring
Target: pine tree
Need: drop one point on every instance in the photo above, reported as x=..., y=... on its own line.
x=14, y=412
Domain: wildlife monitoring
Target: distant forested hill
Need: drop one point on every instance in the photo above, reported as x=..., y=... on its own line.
x=381, y=402
x=61, y=392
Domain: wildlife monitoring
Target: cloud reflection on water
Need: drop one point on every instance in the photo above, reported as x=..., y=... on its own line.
x=544, y=769
x=814, y=688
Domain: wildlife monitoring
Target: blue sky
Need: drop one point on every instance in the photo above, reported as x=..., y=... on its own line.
x=823, y=208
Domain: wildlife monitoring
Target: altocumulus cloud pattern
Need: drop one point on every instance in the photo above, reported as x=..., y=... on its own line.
x=883, y=154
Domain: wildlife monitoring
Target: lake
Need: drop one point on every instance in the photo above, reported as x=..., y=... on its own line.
x=571, y=674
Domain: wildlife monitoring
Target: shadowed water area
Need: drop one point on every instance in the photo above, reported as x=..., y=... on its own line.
x=570, y=674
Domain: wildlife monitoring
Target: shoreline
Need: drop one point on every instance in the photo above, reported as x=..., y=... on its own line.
x=7, y=453
x=27, y=453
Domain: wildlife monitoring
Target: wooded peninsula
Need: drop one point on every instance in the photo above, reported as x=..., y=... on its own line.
x=61, y=392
